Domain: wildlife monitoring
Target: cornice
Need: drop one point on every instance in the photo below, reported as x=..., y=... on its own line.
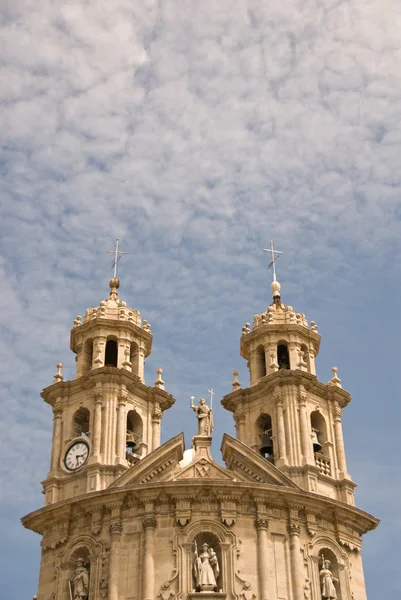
x=275, y=384
x=190, y=490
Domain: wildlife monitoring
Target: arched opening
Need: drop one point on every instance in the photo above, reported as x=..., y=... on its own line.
x=319, y=442
x=80, y=423
x=207, y=563
x=260, y=362
x=265, y=439
x=134, y=437
x=283, y=356
x=79, y=582
x=329, y=575
x=111, y=354
x=305, y=356
x=87, y=356
x=134, y=356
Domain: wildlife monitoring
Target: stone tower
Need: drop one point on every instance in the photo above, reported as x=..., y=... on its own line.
x=126, y=518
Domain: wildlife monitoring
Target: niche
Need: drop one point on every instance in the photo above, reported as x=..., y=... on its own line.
x=80, y=423
x=329, y=574
x=260, y=362
x=207, y=563
x=79, y=584
x=111, y=355
x=265, y=441
x=283, y=357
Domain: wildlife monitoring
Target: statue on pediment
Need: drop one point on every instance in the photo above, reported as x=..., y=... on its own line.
x=204, y=414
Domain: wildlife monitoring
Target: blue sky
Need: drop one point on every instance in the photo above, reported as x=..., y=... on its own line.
x=196, y=132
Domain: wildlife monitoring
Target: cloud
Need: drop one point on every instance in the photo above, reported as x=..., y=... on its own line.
x=196, y=133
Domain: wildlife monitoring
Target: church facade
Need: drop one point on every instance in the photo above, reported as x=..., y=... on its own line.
x=126, y=518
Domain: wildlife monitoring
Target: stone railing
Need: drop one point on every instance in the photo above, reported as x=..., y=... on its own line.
x=323, y=463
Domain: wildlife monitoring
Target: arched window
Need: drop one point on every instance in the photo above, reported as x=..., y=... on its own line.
x=260, y=362
x=329, y=574
x=283, y=356
x=111, y=355
x=134, y=356
x=134, y=433
x=207, y=563
x=87, y=357
x=265, y=441
x=80, y=423
x=319, y=441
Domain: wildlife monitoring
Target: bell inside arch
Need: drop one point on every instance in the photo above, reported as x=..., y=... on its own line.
x=267, y=442
x=317, y=446
x=131, y=439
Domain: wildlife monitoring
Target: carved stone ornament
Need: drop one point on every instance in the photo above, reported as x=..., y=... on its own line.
x=294, y=528
x=167, y=591
x=79, y=585
x=116, y=527
x=261, y=523
x=327, y=581
x=206, y=568
x=149, y=522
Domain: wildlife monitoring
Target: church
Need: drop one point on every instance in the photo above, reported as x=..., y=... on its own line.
x=126, y=518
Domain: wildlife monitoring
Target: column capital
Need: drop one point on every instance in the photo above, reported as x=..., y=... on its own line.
x=278, y=400
x=261, y=523
x=337, y=412
x=239, y=416
x=97, y=395
x=116, y=528
x=57, y=411
x=149, y=522
x=157, y=415
x=122, y=398
x=294, y=528
x=302, y=398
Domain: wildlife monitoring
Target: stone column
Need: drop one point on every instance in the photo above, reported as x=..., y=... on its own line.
x=296, y=565
x=338, y=434
x=156, y=418
x=148, y=576
x=239, y=418
x=97, y=424
x=56, y=444
x=263, y=561
x=282, y=449
x=115, y=537
x=306, y=440
x=121, y=436
x=141, y=364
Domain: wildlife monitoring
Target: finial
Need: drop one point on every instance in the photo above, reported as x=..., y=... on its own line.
x=275, y=284
x=335, y=380
x=235, y=384
x=117, y=255
x=58, y=376
x=159, y=381
x=77, y=321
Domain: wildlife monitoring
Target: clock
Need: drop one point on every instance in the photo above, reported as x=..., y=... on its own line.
x=76, y=455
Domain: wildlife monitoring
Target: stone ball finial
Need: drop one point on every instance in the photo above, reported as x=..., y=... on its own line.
x=114, y=283
x=276, y=287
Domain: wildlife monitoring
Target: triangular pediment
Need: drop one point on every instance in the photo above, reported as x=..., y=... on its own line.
x=204, y=468
x=159, y=465
x=248, y=465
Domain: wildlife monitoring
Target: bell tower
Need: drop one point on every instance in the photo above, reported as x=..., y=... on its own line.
x=106, y=418
x=287, y=414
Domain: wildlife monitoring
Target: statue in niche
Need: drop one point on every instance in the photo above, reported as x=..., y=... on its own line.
x=204, y=414
x=79, y=586
x=327, y=581
x=206, y=568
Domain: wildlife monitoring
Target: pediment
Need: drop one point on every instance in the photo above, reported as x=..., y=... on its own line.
x=159, y=465
x=248, y=465
x=203, y=467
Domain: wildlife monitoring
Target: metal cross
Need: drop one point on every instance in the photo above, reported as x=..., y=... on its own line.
x=212, y=393
x=117, y=255
x=274, y=258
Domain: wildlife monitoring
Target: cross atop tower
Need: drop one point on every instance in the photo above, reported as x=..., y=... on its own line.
x=117, y=255
x=274, y=258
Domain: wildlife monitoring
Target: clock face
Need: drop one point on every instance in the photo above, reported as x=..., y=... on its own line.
x=76, y=455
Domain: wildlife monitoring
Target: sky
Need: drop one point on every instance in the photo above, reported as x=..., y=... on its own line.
x=197, y=132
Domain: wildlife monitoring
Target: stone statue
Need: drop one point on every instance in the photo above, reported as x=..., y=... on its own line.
x=204, y=414
x=206, y=568
x=80, y=582
x=327, y=581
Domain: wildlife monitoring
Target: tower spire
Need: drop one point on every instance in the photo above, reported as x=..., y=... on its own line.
x=275, y=284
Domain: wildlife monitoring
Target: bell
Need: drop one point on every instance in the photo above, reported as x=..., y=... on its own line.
x=131, y=441
x=317, y=446
x=267, y=443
